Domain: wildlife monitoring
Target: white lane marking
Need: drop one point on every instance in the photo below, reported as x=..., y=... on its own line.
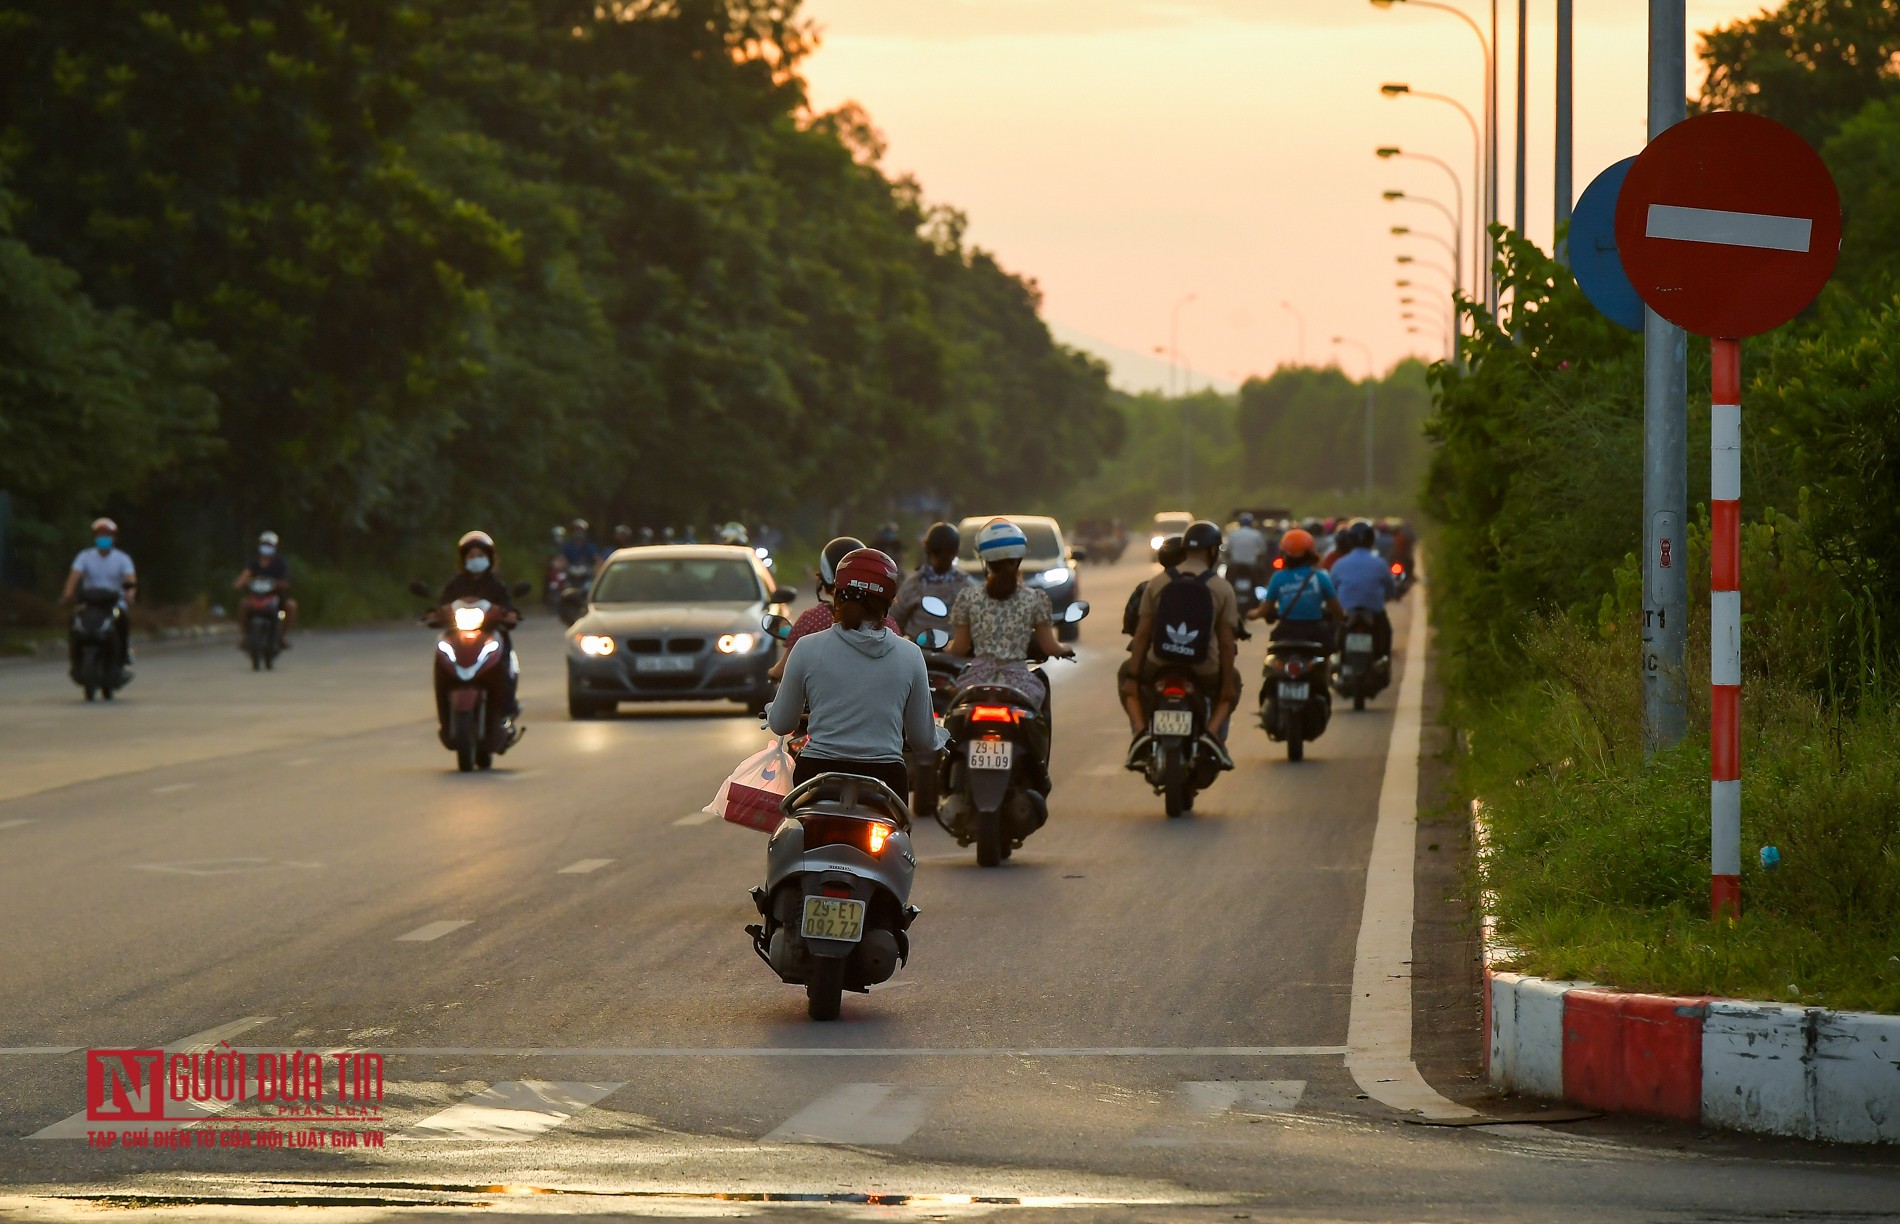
x=40, y=1049
x=1719, y=227
x=518, y=775
x=211, y=867
x=1212, y=1098
x=510, y=1110
x=78, y=1125
x=1104, y=771
x=302, y=761
x=855, y=1051
x=14, y=824
x=173, y=789
x=433, y=930
x=583, y=867
x=693, y=818
x=881, y=1114
x=1379, y=1030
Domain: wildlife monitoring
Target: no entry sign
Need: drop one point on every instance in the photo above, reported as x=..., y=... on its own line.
x=1728, y=225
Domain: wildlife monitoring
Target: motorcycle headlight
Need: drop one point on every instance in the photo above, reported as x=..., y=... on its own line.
x=468, y=620
x=1157, y=542
x=596, y=645
x=735, y=643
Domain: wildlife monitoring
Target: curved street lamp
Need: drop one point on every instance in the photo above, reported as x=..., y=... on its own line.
x=1406, y=231
x=1457, y=218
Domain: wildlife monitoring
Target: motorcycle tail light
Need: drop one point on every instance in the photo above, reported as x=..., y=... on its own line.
x=1176, y=691
x=992, y=714
x=1279, y=563
x=1398, y=569
x=836, y=890
x=1295, y=669
x=879, y=835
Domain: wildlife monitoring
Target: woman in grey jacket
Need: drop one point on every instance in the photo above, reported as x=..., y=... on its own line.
x=864, y=687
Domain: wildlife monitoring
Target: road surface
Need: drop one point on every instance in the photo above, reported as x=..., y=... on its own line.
x=1132, y=1019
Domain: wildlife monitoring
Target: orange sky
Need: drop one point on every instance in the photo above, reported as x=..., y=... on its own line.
x=1126, y=153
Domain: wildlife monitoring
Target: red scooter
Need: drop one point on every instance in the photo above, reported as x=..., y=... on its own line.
x=473, y=666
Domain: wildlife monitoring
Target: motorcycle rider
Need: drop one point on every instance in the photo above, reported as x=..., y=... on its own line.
x=1201, y=546
x=993, y=624
x=864, y=687
x=733, y=533
x=1364, y=582
x=1246, y=551
x=623, y=536
x=821, y=615
x=577, y=550
x=104, y=568
x=267, y=564
x=1301, y=601
x=939, y=575
x=477, y=579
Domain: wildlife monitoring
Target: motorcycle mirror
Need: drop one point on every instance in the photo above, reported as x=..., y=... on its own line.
x=521, y=588
x=1078, y=555
x=777, y=627
x=1260, y=594
x=939, y=638
x=935, y=606
x=1075, y=611
x=420, y=589
x=783, y=595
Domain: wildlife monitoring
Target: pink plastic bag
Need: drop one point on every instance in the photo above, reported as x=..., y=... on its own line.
x=751, y=795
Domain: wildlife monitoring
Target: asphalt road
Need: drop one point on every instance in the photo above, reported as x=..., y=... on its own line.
x=1132, y=1019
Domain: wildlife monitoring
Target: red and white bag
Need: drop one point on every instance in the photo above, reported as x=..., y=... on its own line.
x=751, y=795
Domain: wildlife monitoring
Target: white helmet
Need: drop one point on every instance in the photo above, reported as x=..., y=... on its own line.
x=1001, y=540
x=732, y=533
x=104, y=526
x=268, y=538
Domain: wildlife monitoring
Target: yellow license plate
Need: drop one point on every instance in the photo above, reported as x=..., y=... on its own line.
x=833, y=918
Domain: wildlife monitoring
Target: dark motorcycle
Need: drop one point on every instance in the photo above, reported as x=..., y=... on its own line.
x=471, y=666
x=264, y=613
x=836, y=897
x=576, y=582
x=1359, y=672
x=1179, y=765
x=1402, y=574
x=98, y=663
x=930, y=628
x=1295, y=702
x=1248, y=591
x=997, y=756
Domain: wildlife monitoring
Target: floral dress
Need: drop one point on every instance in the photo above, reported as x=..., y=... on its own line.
x=1000, y=633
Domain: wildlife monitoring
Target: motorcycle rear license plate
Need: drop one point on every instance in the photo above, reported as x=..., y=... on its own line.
x=663, y=663
x=833, y=918
x=1293, y=692
x=1359, y=643
x=1174, y=722
x=990, y=754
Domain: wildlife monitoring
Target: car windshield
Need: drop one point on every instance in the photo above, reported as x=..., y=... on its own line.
x=678, y=580
x=1044, y=544
x=1172, y=524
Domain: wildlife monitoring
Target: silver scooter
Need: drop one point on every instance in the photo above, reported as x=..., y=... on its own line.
x=836, y=897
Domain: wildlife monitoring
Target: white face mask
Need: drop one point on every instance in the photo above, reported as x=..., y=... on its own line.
x=267, y=550
x=477, y=564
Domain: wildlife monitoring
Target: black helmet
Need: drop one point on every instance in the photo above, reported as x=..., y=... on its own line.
x=942, y=538
x=1172, y=552
x=1202, y=534
x=1363, y=534
x=835, y=552
x=1246, y=518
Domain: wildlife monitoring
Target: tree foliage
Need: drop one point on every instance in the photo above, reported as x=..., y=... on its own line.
x=451, y=262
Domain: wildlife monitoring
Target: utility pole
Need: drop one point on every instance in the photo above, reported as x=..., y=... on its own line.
x=1491, y=169
x=1665, y=435
x=1566, y=100
x=1523, y=111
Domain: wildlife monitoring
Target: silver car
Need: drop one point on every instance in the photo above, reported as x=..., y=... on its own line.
x=674, y=623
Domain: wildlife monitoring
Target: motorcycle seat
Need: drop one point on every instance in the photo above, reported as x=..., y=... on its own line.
x=851, y=795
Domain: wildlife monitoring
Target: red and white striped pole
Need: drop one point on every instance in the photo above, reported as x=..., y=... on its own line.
x=1725, y=634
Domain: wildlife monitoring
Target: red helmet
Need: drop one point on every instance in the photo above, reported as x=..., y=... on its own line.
x=869, y=575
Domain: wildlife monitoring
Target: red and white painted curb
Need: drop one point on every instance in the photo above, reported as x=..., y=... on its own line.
x=1801, y=1071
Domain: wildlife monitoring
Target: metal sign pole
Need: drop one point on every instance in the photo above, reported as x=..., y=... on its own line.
x=1565, y=94
x=1665, y=435
x=1725, y=632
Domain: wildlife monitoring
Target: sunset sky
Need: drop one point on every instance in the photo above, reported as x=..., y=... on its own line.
x=1126, y=153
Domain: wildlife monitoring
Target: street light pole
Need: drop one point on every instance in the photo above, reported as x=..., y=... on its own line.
x=1565, y=103
x=1457, y=216
x=1371, y=394
x=1400, y=89
x=1523, y=113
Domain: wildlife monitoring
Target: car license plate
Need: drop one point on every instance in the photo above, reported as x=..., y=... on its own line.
x=663, y=663
x=990, y=754
x=1174, y=722
x=833, y=918
x=1359, y=643
x=1293, y=692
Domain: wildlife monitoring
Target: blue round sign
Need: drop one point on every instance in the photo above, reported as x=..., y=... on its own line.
x=1593, y=254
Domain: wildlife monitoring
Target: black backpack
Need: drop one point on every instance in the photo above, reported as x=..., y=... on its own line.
x=1184, y=618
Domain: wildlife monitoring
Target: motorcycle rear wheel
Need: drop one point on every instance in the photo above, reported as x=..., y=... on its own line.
x=824, y=988
x=1295, y=746
x=1175, y=791
x=1358, y=703
x=989, y=839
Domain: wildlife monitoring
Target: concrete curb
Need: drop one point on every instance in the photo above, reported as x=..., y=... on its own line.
x=1805, y=1072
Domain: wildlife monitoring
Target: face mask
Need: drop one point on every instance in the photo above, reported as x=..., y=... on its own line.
x=477, y=564
x=103, y=543
x=267, y=550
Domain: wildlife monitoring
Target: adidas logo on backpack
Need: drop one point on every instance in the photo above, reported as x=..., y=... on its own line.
x=1185, y=612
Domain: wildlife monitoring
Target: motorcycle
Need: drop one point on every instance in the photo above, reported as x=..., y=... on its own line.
x=1402, y=574
x=98, y=667
x=263, y=622
x=576, y=582
x=836, y=898
x=555, y=583
x=1295, y=702
x=471, y=661
x=1248, y=593
x=1358, y=672
x=1179, y=765
x=997, y=753
x=930, y=629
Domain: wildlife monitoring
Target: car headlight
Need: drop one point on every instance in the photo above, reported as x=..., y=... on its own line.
x=468, y=620
x=761, y=553
x=596, y=645
x=735, y=643
x=1156, y=542
x=1053, y=577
